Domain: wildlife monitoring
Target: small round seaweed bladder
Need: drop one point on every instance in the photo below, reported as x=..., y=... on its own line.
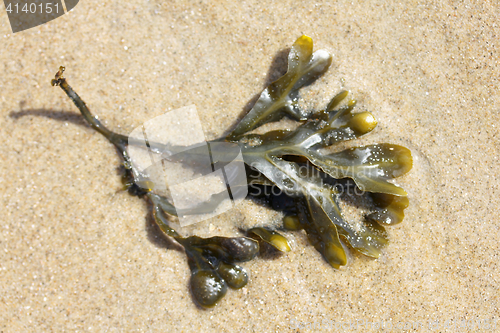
x=308, y=181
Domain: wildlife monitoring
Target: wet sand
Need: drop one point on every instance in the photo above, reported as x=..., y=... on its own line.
x=79, y=254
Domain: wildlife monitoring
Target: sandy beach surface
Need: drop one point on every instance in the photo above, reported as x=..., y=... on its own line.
x=78, y=254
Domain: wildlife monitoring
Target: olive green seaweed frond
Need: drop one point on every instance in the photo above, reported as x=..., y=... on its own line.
x=291, y=161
